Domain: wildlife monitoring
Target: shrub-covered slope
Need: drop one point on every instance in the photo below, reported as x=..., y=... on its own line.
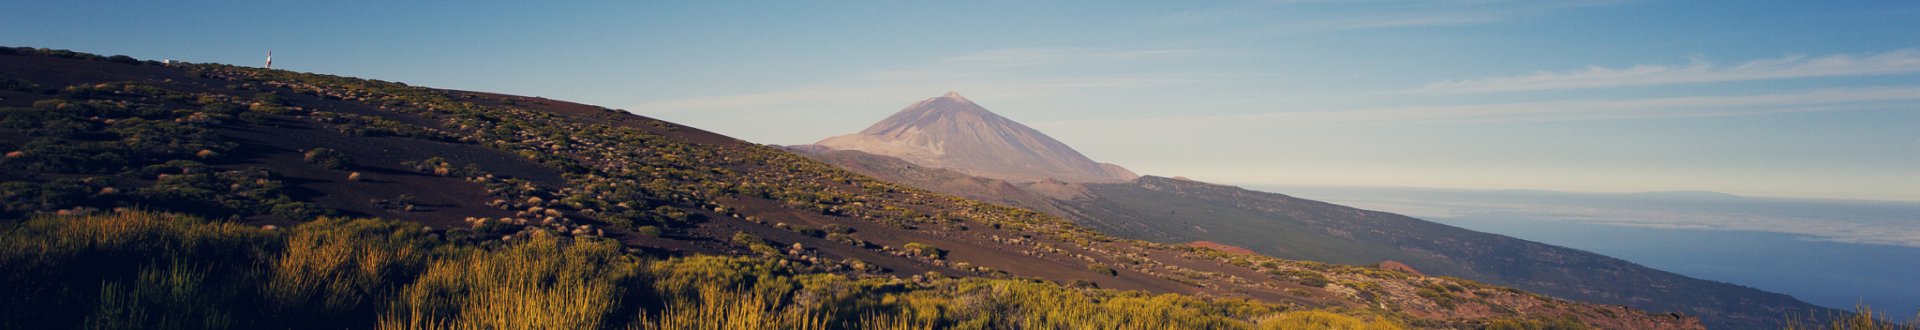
x=85, y=134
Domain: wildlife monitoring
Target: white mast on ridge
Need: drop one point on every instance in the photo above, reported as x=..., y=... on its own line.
x=269, y=59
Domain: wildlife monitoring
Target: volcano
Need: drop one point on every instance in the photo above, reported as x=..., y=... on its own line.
x=952, y=132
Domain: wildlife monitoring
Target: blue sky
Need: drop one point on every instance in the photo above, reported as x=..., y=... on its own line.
x=1769, y=98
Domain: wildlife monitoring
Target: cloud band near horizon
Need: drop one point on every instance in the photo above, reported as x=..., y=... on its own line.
x=1903, y=61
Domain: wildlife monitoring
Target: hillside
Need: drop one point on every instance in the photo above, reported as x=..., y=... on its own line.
x=189, y=173
x=1294, y=228
x=1179, y=211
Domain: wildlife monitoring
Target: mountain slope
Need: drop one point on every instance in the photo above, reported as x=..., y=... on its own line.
x=1294, y=228
x=1179, y=211
x=952, y=132
x=86, y=135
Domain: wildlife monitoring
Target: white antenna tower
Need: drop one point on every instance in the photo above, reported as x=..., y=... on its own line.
x=269, y=59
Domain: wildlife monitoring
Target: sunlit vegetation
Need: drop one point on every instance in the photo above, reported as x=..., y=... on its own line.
x=1862, y=318
x=925, y=250
x=142, y=269
x=1323, y=320
x=1525, y=324
x=1102, y=269
x=328, y=158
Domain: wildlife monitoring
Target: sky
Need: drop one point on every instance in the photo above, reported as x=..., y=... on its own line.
x=1815, y=99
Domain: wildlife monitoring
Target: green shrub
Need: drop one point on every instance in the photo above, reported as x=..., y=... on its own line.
x=1440, y=298
x=1863, y=317
x=835, y=228
x=1302, y=277
x=668, y=213
x=1323, y=320
x=1102, y=269
x=328, y=158
x=744, y=239
x=925, y=250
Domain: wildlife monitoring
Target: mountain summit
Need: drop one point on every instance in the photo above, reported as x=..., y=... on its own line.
x=954, y=133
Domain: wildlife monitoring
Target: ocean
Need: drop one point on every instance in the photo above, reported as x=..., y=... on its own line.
x=1833, y=253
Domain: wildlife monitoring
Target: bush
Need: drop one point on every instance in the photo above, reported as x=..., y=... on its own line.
x=838, y=229
x=925, y=250
x=328, y=158
x=1302, y=277
x=18, y=85
x=1102, y=269
x=1442, y=299
x=804, y=230
x=744, y=239
x=665, y=213
x=298, y=211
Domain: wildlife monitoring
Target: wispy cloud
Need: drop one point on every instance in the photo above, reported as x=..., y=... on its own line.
x=1904, y=61
x=1305, y=16
x=1822, y=100
x=1868, y=229
x=1002, y=73
x=842, y=92
x=1011, y=57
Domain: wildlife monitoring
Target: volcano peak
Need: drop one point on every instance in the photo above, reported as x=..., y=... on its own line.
x=952, y=132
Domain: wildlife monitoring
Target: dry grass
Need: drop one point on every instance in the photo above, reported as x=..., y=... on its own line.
x=717, y=308
x=538, y=283
x=1863, y=318
x=1324, y=320
x=141, y=269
